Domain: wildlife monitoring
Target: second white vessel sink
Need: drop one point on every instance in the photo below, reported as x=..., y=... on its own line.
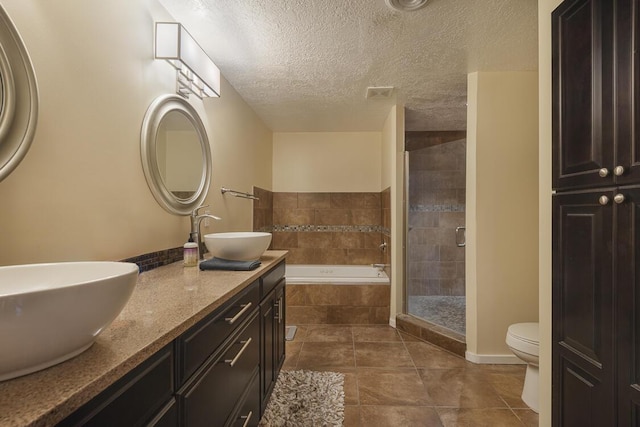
x=52, y=312
x=238, y=246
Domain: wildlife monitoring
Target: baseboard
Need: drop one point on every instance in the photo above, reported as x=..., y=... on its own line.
x=493, y=359
x=392, y=322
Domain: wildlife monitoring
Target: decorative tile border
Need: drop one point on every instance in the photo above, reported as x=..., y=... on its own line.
x=326, y=228
x=157, y=259
x=329, y=228
x=436, y=208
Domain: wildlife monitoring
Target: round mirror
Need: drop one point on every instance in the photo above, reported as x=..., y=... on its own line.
x=175, y=153
x=18, y=97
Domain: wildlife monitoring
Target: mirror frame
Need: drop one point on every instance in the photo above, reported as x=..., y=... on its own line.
x=158, y=109
x=18, y=97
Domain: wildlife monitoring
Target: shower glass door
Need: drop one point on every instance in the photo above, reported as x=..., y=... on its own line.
x=435, y=286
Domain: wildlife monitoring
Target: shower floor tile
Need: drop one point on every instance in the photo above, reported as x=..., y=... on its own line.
x=446, y=311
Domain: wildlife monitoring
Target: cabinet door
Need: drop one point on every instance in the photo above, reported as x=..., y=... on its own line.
x=267, y=353
x=280, y=328
x=582, y=93
x=627, y=91
x=628, y=305
x=583, y=334
x=272, y=311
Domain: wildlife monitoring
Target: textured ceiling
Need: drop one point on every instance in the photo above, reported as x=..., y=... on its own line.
x=305, y=65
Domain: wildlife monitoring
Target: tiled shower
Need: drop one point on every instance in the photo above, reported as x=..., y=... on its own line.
x=436, y=214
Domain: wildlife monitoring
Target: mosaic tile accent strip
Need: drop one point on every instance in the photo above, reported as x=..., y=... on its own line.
x=436, y=208
x=157, y=259
x=329, y=228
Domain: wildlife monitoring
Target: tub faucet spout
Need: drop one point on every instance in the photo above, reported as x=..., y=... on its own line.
x=195, y=227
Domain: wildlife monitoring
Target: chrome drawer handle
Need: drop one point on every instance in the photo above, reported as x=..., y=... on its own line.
x=245, y=307
x=246, y=418
x=278, y=304
x=233, y=361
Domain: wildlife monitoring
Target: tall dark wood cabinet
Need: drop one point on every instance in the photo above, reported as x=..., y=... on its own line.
x=596, y=213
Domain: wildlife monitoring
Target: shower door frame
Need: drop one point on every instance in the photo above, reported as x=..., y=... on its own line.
x=405, y=244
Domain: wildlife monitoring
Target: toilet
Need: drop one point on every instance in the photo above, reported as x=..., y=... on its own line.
x=522, y=339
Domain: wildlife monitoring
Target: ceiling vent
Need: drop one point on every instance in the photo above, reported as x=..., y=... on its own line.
x=380, y=92
x=406, y=5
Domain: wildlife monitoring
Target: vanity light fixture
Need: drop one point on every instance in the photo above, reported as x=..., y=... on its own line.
x=196, y=72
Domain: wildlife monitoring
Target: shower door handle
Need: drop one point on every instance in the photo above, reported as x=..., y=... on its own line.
x=461, y=238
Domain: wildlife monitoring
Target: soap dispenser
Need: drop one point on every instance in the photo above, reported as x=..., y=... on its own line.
x=190, y=254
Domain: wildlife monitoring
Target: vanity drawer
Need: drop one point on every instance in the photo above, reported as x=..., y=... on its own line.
x=271, y=279
x=248, y=415
x=209, y=398
x=199, y=342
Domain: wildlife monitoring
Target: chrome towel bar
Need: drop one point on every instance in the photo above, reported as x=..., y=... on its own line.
x=239, y=194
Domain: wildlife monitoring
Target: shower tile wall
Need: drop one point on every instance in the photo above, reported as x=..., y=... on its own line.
x=436, y=208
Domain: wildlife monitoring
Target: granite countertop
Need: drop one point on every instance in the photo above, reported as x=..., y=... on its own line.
x=165, y=302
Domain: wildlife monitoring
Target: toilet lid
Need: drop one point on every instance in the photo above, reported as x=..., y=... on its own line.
x=527, y=332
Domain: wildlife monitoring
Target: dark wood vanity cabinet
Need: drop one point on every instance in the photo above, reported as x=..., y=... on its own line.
x=596, y=215
x=214, y=374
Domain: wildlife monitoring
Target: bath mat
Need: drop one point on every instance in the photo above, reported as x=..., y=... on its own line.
x=306, y=398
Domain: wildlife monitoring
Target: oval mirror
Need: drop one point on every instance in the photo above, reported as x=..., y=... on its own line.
x=18, y=97
x=175, y=153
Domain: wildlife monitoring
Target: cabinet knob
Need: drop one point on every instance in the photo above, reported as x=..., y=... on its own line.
x=618, y=198
x=618, y=170
x=603, y=200
x=604, y=172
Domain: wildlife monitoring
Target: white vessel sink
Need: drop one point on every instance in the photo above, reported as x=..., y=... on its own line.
x=238, y=246
x=52, y=312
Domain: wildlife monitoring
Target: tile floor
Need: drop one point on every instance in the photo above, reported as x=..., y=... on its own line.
x=395, y=380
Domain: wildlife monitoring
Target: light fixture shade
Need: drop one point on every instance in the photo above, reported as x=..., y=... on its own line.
x=197, y=73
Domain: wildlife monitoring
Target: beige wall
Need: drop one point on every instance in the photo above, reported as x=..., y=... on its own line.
x=545, y=7
x=80, y=193
x=326, y=161
x=393, y=177
x=502, y=208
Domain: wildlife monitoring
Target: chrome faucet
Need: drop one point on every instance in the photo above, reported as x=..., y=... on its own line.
x=195, y=227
